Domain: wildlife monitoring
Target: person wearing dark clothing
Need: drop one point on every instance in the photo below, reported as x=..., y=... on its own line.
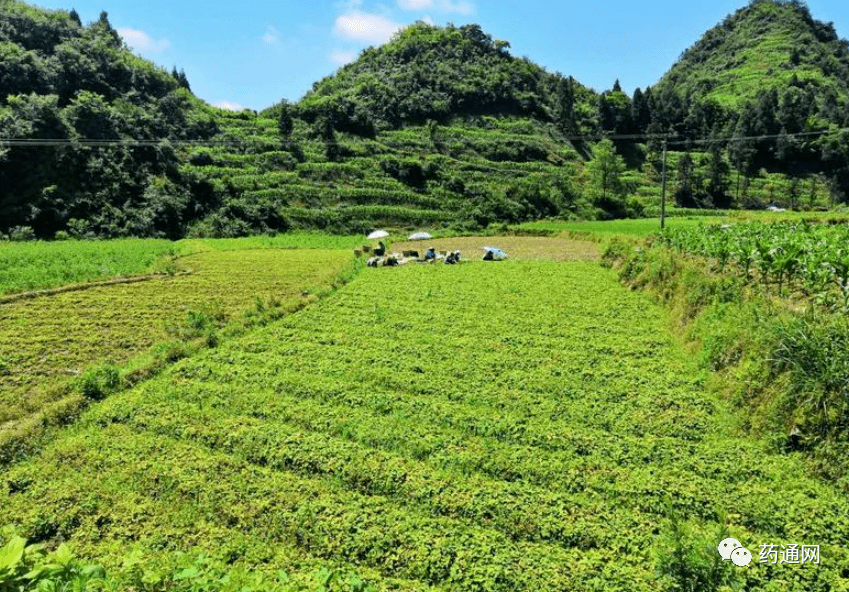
x=380, y=251
x=430, y=255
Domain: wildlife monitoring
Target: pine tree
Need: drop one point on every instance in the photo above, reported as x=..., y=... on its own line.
x=183, y=80
x=564, y=105
x=75, y=17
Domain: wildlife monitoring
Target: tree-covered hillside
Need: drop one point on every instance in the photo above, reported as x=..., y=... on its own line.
x=770, y=72
x=433, y=73
x=766, y=45
x=440, y=126
x=63, y=81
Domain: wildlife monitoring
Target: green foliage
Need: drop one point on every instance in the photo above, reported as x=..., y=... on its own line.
x=96, y=383
x=387, y=431
x=62, y=81
x=446, y=72
x=605, y=170
x=38, y=265
x=787, y=369
x=813, y=349
x=802, y=257
x=691, y=561
x=29, y=567
x=54, y=348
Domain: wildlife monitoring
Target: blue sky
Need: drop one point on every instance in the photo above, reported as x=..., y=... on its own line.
x=256, y=52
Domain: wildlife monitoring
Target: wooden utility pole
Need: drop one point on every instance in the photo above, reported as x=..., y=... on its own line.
x=663, y=190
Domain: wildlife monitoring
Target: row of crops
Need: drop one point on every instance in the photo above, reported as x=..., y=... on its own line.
x=387, y=431
x=801, y=258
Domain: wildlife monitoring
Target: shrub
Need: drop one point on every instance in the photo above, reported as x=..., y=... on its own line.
x=100, y=381
x=691, y=561
x=21, y=233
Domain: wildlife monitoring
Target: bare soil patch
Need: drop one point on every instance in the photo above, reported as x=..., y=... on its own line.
x=517, y=247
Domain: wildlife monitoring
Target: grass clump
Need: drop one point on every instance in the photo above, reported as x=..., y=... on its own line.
x=100, y=381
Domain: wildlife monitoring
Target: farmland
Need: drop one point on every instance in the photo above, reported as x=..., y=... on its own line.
x=811, y=259
x=525, y=248
x=525, y=425
x=50, y=343
x=38, y=265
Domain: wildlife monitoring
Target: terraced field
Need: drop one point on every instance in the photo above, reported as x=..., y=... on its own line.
x=48, y=340
x=512, y=426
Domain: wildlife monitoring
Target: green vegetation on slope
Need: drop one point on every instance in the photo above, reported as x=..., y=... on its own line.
x=766, y=304
x=39, y=265
x=433, y=73
x=768, y=44
x=64, y=81
x=387, y=429
x=440, y=127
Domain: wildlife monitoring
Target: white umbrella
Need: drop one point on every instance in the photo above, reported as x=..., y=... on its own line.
x=420, y=236
x=378, y=234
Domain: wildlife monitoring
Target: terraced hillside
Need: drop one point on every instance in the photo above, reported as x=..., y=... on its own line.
x=472, y=173
x=507, y=426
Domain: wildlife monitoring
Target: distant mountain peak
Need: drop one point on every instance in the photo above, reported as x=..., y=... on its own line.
x=766, y=44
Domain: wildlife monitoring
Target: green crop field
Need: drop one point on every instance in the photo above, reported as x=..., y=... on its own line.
x=523, y=425
x=639, y=227
x=37, y=265
x=49, y=340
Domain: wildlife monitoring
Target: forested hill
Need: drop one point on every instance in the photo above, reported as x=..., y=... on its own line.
x=434, y=73
x=62, y=80
x=766, y=45
x=769, y=69
x=441, y=126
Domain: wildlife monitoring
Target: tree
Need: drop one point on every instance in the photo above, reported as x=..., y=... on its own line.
x=605, y=170
x=75, y=17
x=285, y=122
x=640, y=112
x=717, y=187
x=686, y=182
x=564, y=105
x=103, y=25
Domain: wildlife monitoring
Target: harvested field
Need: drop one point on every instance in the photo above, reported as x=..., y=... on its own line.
x=517, y=247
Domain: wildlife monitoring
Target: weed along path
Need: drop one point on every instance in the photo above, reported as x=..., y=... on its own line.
x=521, y=425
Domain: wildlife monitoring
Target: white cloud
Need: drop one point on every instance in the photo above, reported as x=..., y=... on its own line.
x=140, y=41
x=340, y=57
x=461, y=6
x=229, y=105
x=348, y=5
x=271, y=36
x=362, y=26
x=415, y=4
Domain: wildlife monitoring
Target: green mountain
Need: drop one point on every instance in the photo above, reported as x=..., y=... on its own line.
x=770, y=84
x=769, y=44
x=439, y=127
x=64, y=81
x=432, y=73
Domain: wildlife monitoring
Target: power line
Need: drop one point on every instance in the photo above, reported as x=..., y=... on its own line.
x=129, y=142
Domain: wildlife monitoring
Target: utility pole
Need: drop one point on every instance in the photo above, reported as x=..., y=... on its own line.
x=663, y=191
